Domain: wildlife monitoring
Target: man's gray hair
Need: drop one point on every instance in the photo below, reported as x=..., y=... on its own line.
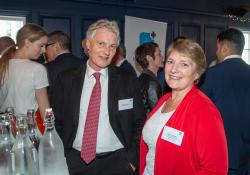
x=111, y=26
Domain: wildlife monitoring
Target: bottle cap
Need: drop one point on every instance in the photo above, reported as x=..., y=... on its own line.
x=48, y=110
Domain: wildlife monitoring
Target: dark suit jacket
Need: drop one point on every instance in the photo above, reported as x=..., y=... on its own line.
x=228, y=86
x=127, y=124
x=61, y=63
x=128, y=66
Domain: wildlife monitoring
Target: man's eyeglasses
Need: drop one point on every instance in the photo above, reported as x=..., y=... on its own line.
x=49, y=44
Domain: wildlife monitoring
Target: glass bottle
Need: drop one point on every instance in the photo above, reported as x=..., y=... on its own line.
x=6, y=143
x=6, y=120
x=33, y=132
x=10, y=111
x=51, y=150
x=23, y=154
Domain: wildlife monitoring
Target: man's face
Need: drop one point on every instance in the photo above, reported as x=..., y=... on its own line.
x=101, y=49
x=51, y=51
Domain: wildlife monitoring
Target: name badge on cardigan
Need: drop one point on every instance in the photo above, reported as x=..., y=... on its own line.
x=172, y=135
x=125, y=104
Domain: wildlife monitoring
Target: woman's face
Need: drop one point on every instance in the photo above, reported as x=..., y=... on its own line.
x=180, y=71
x=36, y=48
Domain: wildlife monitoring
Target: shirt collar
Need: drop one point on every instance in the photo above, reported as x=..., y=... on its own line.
x=62, y=53
x=231, y=56
x=120, y=62
x=90, y=71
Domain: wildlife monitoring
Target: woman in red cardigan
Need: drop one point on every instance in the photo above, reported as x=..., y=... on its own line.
x=184, y=134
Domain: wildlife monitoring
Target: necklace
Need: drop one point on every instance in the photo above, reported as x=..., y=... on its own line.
x=171, y=104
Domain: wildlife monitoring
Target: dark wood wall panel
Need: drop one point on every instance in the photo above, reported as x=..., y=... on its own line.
x=192, y=31
x=170, y=34
x=74, y=17
x=52, y=23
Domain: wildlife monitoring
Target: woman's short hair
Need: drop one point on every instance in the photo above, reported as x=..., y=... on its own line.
x=111, y=26
x=142, y=51
x=191, y=49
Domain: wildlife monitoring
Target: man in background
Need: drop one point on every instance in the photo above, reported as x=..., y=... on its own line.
x=227, y=84
x=85, y=49
x=59, y=56
x=120, y=59
x=5, y=42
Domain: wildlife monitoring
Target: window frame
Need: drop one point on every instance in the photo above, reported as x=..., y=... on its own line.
x=245, y=30
x=13, y=18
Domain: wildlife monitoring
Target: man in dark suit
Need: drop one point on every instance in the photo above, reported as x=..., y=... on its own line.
x=227, y=84
x=59, y=56
x=121, y=112
x=120, y=59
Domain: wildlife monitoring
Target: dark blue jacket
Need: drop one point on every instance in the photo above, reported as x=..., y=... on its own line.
x=228, y=86
x=62, y=62
x=128, y=66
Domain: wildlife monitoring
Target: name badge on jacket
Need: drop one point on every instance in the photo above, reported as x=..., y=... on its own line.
x=125, y=104
x=172, y=135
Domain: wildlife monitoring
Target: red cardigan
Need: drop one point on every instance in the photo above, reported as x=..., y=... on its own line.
x=204, y=148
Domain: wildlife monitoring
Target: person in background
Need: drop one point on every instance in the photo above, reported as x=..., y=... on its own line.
x=5, y=42
x=120, y=59
x=184, y=134
x=98, y=109
x=23, y=83
x=85, y=50
x=59, y=56
x=148, y=56
x=227, y=85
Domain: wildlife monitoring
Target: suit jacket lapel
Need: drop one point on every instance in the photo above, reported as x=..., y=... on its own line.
x=77, y=85
x=112, y=92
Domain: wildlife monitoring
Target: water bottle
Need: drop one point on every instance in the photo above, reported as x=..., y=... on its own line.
x=51, y=150
x=10, y=111
x=33, y=132
x=6, y=143
x=23, y=153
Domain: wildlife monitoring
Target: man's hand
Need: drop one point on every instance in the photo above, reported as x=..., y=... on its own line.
x=132, y=166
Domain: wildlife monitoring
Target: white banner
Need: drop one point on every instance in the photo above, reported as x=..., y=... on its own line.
x=139, y=31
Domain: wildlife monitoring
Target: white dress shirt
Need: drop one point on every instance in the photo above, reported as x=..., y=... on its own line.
x=120, y=62
x=231, y=56
x=106, y=138
x=150, y=133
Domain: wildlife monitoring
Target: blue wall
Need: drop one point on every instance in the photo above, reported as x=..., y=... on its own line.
x=75, y=16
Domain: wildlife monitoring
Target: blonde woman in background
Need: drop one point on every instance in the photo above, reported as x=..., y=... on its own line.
x=23, y=83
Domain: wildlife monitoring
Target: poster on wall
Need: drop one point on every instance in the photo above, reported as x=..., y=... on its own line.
x=139, y=31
